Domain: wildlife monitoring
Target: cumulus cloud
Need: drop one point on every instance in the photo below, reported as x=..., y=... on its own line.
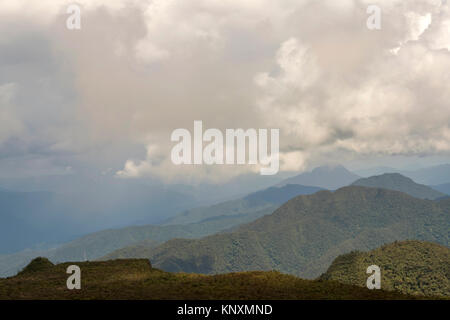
x=137, y=70
x=156, y=164
x=390, y=104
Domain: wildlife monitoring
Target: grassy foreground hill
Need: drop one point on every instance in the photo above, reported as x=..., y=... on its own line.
x=307, y=233
x=395, y=181
x=136, y=279
x=411, y=267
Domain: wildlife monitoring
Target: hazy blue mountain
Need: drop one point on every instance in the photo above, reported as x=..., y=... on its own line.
x=434, y=175
x=266, y=200
x=327, y=177
x=376, y=171
x=395, y=181
x=279, y=195
x=444, y=188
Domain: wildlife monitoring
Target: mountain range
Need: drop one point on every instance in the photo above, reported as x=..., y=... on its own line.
x=305, y=234
x=228, y=219
x=195, y=223
x=395, y=181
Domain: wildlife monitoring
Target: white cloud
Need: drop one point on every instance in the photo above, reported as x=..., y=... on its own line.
x=417, y=24
x=400, y=106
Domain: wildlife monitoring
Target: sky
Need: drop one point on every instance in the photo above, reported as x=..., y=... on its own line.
x=105, y=99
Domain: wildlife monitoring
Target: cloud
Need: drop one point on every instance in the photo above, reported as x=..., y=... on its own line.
x=157, y=165
x=112, y=92
x=11, y=124
x=389, y=105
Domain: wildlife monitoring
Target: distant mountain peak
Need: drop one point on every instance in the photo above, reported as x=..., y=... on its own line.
x=398, y=182
x=330, y=168
x=327, y=177
x=394, y=176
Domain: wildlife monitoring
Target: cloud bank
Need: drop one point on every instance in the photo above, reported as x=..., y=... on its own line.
x=109, y=95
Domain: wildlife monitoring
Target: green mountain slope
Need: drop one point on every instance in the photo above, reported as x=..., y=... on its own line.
x=411, y=267
x=136, y=279
x=265, y=200
x=305, y=234
x=395, y=181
